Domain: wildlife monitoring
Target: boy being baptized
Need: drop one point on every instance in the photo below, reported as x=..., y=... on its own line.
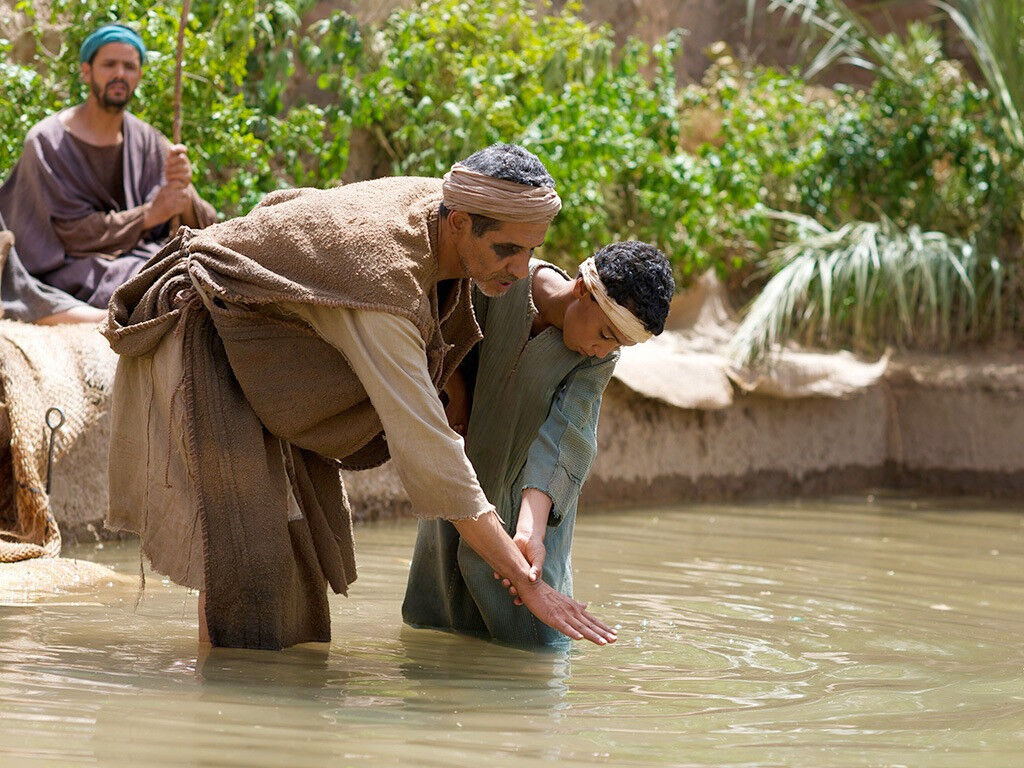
x=550, y=345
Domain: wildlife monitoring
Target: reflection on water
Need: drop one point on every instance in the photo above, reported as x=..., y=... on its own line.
x=817, y=634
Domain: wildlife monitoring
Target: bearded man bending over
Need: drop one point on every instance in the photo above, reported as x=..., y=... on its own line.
x=263, y=353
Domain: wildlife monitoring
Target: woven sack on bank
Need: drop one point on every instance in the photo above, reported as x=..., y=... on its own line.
x=70, y=367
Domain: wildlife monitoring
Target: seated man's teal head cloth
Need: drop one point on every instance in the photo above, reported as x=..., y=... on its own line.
x=111, y=33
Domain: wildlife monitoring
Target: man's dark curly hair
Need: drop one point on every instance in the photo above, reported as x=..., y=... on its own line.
x=639, y=277
x=510, y=162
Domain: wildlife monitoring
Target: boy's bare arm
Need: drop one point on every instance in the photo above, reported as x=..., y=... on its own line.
x=529, y=538
x=530, y=528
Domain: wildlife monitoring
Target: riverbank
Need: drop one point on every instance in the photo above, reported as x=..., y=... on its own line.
x=941, y=424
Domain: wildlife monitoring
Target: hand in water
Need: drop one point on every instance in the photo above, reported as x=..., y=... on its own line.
x=564, y=614
x=488, y=539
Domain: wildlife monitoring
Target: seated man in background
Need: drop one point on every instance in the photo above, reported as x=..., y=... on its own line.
x=550, y=345
x=96, y=189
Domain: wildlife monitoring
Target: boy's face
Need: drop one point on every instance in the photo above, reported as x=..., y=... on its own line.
x=586, y=328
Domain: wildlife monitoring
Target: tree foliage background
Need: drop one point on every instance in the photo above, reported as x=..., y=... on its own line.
x=699, y=169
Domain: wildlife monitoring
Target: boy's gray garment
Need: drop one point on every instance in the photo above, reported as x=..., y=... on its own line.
x=533, y=425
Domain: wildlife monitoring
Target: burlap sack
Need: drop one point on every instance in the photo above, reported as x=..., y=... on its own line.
x=69, y=367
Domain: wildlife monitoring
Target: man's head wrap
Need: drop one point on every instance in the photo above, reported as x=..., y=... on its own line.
x=111, y=33
x=473, y=192
x=625, y=322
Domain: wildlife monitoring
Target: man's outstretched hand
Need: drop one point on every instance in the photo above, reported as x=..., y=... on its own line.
x=564, y=614
x=487, y=537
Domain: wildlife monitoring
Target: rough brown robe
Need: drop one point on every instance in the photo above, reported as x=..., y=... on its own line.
x=268, y=406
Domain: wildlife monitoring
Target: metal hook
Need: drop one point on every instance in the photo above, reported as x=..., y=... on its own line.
x=54, y=420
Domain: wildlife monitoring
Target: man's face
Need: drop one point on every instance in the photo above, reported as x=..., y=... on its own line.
x=113, y=75
x=586, y=328
x=495, y=260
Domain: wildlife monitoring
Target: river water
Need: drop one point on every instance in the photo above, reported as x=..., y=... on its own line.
x=857, y=632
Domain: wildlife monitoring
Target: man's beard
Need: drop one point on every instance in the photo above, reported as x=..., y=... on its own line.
x=505, y=277
x=109, y=103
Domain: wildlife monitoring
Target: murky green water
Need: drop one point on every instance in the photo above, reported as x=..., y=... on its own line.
x=820, y=634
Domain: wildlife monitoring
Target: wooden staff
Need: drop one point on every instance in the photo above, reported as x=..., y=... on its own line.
x=176, y=125
x=176, y=120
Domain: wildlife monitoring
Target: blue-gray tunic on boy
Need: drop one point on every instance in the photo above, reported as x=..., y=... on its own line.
x=533, y=425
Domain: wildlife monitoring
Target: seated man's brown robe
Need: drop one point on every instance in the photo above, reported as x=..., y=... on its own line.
x=78, y=210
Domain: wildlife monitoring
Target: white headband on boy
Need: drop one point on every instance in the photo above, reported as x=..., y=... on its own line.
x=625, y=322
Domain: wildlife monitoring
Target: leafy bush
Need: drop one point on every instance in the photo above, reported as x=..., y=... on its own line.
x=696, y=170
x=443, y=79
x=763, y=143
x=924, y=145
x=437, y=81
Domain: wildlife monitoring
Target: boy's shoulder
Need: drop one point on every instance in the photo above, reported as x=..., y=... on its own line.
x=545, y=274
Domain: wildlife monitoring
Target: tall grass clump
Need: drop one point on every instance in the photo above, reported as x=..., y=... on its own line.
x=994, y=30
x=917, y=229
x=866, y=285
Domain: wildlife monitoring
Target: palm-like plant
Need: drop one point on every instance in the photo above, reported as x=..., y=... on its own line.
x=869, y=284
x=839, y=34
x=993, y=29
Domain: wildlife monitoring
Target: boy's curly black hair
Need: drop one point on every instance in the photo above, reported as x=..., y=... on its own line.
x=639, y=277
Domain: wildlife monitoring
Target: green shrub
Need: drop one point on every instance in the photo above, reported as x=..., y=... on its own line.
x=443, y=79
x=765, y=138
x=696, y=171
x=923, y=145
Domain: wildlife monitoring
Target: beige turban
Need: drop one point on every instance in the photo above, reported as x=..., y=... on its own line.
x=625, y=322
x=472, y=192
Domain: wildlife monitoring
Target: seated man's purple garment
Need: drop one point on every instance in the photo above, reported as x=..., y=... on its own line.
x=78, y=210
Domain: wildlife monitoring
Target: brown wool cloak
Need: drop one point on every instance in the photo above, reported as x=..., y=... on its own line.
x=268, y=407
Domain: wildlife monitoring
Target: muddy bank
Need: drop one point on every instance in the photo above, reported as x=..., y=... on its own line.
x=936, y=424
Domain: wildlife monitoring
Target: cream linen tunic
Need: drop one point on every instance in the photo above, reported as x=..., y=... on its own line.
x=388, y=355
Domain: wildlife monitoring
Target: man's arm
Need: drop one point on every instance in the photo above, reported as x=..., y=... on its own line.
x=387, y=353
x=111, y=233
